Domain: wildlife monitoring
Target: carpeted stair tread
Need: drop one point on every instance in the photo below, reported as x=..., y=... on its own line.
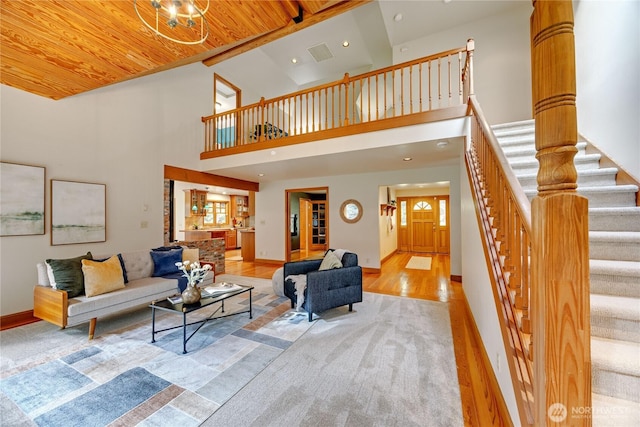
x=531, y=165
x=615, y=267
x=615, y=306
x=614, y=355
x=614, y=195
x=506, y=127
x=614, y=218
x=611, y=412
x=530, y=151
x=614, y=245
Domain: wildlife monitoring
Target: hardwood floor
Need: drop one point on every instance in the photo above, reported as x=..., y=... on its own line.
x=480, y=405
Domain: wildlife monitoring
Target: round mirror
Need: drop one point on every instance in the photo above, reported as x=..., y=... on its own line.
x=351, y=211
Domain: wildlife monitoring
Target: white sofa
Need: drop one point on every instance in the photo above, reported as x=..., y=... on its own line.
x=54, y=306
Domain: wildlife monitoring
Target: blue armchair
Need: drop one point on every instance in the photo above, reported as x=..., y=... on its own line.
x=327, y=288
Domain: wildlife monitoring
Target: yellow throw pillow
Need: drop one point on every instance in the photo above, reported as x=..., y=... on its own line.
x=102, y=277
x=191, y=255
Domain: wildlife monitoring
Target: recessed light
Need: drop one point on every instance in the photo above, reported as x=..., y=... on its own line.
x=407, y=159
x=398, y=17
x=273, y=152
x=404, y=49
x=442, y=144
x=260, y=174
x=345, y=43
x=294, y=60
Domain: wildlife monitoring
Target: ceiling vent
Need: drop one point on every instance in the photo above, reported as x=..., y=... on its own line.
x=320, y=52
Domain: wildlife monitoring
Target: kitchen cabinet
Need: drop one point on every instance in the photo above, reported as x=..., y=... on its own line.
x=240, y=206
x=195, y=203
x=318, y=225
x=230, y=239
x=248, y=251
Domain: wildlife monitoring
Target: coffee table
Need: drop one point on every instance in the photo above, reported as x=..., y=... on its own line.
x=184, y=309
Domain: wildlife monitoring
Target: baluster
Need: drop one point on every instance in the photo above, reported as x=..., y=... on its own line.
x=420, y=87
x=430, y=85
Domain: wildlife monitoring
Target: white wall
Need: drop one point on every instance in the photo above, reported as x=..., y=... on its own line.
x=502, y=63
x=607, y=43
x=387, y=224
x=121, y=136
x=479, y=294
x=362, y=237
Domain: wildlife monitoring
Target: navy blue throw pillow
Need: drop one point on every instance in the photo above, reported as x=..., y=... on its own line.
x=164, y=262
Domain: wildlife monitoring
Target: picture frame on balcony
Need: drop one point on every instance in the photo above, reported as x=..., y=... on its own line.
x=22, y=199
x=78, y=212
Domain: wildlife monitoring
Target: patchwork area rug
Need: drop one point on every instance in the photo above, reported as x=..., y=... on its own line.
x=121, y=378
x=419, y=263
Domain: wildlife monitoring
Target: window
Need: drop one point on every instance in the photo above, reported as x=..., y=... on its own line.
x=403, y=213
x=221, y=212
x=422, y=206
x=443, y=213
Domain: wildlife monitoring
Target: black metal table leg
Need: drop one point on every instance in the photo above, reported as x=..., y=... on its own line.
x=153, y=324
x=250, y=306
x=184, y=333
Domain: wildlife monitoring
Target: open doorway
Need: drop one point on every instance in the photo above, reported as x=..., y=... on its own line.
x=307, y=217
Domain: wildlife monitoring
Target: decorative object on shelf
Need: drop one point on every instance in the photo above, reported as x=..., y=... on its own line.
x=195, y=274
x=78, y=212
x=351, y=211
x=385, y=209
x=21, y=199
x=181, y=21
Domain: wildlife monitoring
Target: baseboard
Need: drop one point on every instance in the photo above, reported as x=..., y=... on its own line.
x=455, y=278
x=269, y=261
x=17, y=319
x=370, y=270
x=485, y=387
x=388, y=256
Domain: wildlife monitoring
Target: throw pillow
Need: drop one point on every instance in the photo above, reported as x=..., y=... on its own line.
x=101, y=277
x=67, y=274
x=164, y=262
x=330, y=261
x=124, y=270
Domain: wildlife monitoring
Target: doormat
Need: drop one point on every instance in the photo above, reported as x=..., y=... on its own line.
x=419, y=263
x=234, y=258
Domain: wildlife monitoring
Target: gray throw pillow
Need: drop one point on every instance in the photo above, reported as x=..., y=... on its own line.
x=330, y=261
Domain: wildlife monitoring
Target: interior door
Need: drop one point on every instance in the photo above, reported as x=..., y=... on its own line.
x=423, y=224
x=305, y=208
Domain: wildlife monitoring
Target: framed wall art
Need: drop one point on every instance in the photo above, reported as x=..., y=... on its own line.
x=22, y=190
x=78, y=212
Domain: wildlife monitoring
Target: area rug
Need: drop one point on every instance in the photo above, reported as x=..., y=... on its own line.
x=390, y=362
x=419, y=263
x=121, y=378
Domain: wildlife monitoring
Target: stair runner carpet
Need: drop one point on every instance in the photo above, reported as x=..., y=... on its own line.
x=614, y=252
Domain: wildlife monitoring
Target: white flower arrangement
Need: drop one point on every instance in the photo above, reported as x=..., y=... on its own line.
x=193, y=271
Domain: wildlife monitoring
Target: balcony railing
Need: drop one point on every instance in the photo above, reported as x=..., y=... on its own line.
x=433, y=83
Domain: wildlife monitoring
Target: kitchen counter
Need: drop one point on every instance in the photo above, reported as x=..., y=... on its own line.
x=248, y=250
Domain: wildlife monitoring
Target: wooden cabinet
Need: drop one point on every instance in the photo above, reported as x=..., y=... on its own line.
x=231, y=239
x=195, y=203
x=318, y=225
x=239, y=206
x=248, y=245
x=252, y=203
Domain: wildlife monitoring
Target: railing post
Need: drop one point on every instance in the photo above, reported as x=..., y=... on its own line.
x=262, y=125
x=560, y=258
x=471, y=46
x=346, y=99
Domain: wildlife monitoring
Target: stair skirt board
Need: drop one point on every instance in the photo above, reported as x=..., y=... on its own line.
x=614, y=249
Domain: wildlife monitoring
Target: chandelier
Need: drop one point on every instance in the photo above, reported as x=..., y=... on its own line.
x=181, y=21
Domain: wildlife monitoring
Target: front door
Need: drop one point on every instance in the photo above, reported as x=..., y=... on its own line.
x=423, y=224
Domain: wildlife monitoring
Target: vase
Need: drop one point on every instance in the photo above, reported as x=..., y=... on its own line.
x=191, y=294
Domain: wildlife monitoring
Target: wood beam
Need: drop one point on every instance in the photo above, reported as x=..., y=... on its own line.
x=188, y=175
x=291, y=28
x=560, y=244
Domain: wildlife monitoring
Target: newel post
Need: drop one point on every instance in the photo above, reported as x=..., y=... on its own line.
x=560, y=258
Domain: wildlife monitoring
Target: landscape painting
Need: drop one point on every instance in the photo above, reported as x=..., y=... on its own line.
x=21, y=199
x=78, y=212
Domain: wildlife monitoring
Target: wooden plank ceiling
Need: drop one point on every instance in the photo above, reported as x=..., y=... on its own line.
x=59, y=48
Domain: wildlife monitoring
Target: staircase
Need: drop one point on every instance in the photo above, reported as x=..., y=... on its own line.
x=614, y=252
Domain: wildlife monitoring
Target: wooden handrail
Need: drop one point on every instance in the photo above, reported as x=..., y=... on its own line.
x=504, y=216
x=391, y=92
